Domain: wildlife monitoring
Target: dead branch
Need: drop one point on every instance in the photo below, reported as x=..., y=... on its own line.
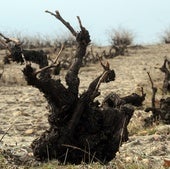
x=142, y=91
x=107, y=76
x=16, y=41
x=154, y=90
x=67, y=24
x=6, y=132
x=101, y=79
x=59, y=53
x=156, y=113
x=20, y=55
x=80, y=24
x=166, y=83
x=105, y=66
x=4, y=44
x=53, y=64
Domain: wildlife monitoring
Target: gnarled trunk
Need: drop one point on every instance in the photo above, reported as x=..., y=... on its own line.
x=81, y=129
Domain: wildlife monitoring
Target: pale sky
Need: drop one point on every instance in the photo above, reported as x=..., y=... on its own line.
x=147, y=19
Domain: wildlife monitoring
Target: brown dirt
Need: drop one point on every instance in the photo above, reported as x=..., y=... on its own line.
x=23, y=109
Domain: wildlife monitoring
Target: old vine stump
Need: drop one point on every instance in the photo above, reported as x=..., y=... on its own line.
x=81, y=128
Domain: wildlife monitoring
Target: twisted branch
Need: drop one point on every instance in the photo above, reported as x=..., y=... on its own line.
x=53, y=64
x=60, y=18
x=154, y=90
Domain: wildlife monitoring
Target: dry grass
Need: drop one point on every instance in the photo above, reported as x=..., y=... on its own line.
x=165, y=37
x=121, y=36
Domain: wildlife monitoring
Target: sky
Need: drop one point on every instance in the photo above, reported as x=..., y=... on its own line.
x=146, y=19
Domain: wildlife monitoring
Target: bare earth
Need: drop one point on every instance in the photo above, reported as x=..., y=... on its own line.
x=23, y=109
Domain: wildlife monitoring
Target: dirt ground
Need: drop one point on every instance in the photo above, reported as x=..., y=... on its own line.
x=24, y=111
